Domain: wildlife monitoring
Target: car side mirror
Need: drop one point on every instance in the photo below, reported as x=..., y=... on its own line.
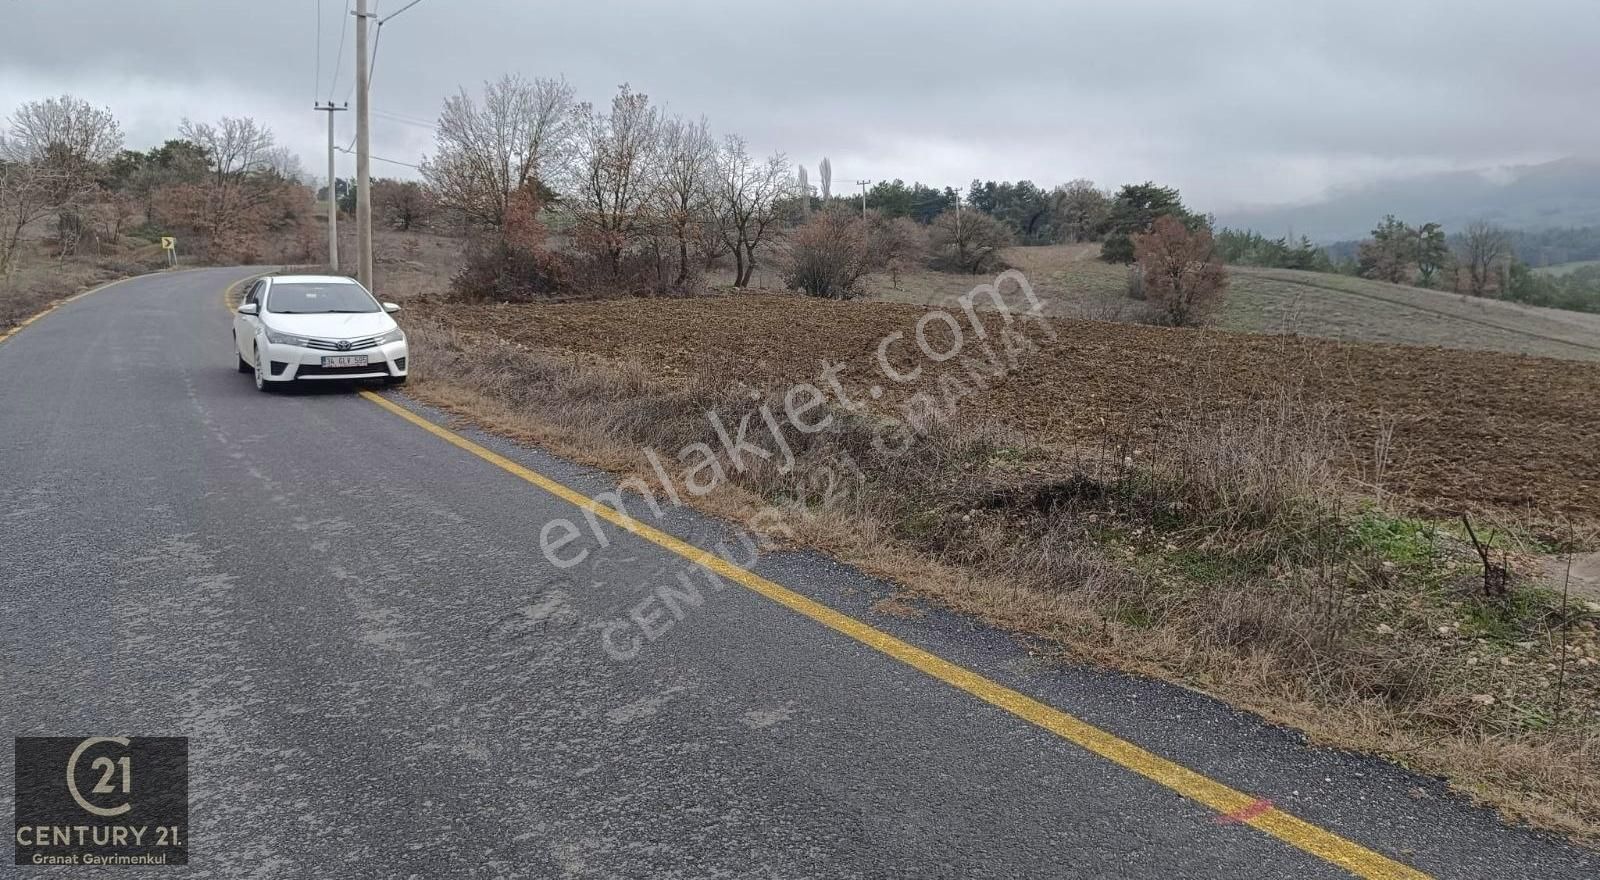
x=391, y=308
x=249, y=309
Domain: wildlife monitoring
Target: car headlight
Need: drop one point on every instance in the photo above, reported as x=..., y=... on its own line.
x=277, y=338
x=395, y=335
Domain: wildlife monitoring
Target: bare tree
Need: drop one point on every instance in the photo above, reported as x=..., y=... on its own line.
x=242, y=186
x=67, y=141
x=1484, y=248
x=616, y=175
x=39, y=129
x=282, y=163
x=1080, y=209
x=748, y=194
x=803, y=190
x=234, y=147
x=27, y=193
x=825, y=178
x=518, y=137
x=687, y=161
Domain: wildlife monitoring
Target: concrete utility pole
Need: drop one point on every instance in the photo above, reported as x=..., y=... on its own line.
x=333, y=192
x=863, y=185
x=363, y=152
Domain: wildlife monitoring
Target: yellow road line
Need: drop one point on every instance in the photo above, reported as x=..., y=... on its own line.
x=58, y=304
x=77, y=296
x=1303, y=835
x=229, y=291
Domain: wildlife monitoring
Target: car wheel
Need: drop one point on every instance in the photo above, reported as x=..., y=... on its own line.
x=244, y=366
x=261, y=372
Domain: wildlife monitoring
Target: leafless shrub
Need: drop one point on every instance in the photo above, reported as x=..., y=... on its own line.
x=1496, y=572
x=967, y=241
x=828, y=256
x=402, y=204
x=896, y=244
x=1179, y=271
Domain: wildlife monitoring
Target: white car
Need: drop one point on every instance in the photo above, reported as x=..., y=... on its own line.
x=316, y=327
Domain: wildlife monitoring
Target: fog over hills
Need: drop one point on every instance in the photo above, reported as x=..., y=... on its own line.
x=1562, y=193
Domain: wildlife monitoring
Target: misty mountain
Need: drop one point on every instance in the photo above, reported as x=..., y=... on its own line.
x=1562, y=193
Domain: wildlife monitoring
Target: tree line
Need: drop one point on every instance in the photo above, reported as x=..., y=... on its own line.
x=1481, y=259
x=225, y=186
x=645, y=202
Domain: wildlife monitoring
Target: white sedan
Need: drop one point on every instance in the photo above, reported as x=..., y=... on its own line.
x=316, y=327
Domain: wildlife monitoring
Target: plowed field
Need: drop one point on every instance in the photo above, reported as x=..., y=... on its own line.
x=1470, y=429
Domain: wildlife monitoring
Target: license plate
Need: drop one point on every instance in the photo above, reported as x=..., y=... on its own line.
x=345, y=360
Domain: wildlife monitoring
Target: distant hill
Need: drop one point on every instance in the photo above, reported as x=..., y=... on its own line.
x=1562, y=193
x=1560, y=269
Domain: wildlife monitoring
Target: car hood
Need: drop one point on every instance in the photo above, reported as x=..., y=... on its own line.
x=332, y=326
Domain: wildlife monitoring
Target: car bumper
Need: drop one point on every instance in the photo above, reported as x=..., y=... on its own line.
x=288, y=363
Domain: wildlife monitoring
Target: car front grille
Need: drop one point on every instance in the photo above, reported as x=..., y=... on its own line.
x=318, y=370
x=342, y=345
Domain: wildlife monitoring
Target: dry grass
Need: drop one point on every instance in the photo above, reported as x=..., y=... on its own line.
x=1219, y=556
x=39, y=280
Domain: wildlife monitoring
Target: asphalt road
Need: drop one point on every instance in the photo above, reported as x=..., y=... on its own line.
x=380, y=675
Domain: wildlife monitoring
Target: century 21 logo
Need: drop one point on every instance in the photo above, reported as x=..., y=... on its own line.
x=115, y=776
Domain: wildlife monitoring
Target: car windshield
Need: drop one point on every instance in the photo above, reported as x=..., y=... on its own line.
x=319, y=299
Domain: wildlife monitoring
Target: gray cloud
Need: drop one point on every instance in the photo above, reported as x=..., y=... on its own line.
x=1235, y=101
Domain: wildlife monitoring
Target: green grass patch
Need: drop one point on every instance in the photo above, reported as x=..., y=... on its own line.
x=1407, y=542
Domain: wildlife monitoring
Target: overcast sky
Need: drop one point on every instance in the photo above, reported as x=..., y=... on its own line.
x=1235, y=101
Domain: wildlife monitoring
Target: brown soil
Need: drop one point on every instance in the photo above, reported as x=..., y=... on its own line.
x=1469, y=429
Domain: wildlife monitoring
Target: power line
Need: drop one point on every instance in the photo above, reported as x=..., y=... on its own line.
x=377, y=41
x=316, y=85
x=338, y=58
x=392, y=117
x=372, y=67
x=398, y=11
x=382, y=159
